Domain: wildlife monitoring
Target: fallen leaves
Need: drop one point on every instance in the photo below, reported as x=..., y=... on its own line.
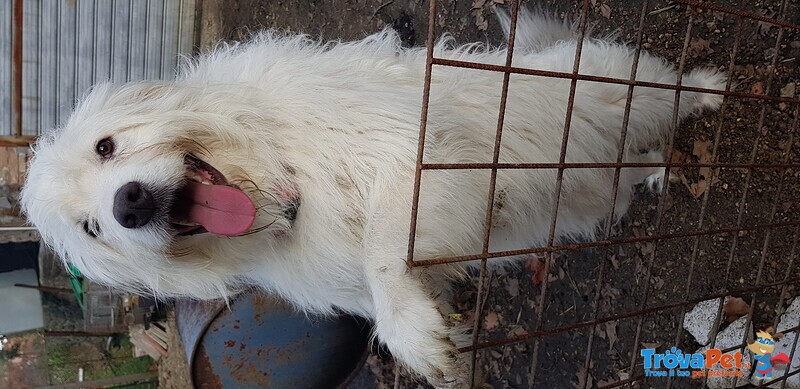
x=789, y=90
x=611, y=333
x=605, y=10
x=479, y=10
x=706, y=176
x=735, y=308
x=699, y=47
x=536, y=264
x=492, y=321
x=757, y=88
x=512, y=287
x=583, y=379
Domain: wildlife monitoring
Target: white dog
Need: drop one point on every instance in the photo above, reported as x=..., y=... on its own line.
x=288, y=164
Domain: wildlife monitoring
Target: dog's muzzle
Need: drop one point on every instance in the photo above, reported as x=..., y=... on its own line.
x=134, y=205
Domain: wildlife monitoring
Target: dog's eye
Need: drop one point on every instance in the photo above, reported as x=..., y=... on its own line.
x=88, y=230
x=105, y=148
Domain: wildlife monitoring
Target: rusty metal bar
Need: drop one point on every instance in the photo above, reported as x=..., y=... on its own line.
x=603, y=165
x=621, y=316
x=584, y=23
x=790, y=269
x=482, y=284
x=786, y=373
x=16, y=66
x=665, y=188
x=599, y=243
x=715, y=330
x=423, y=127
x=610, y=218
x=778, y=192
x=754, y=151
x=748, y=15
x=562, y=165
x=609, y=80
x=706, y=195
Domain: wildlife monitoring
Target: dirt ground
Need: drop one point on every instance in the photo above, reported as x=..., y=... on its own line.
x=628, y=281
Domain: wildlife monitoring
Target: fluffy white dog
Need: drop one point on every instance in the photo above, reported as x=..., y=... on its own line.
x=288, y=164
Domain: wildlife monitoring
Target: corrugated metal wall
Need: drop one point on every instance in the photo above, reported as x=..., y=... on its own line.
x=69, y=45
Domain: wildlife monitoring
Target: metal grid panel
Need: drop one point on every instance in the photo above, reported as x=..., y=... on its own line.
x=769, y=225
x=70, y=45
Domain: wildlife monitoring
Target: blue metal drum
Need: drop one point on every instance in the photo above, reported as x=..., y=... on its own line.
x=261, y=342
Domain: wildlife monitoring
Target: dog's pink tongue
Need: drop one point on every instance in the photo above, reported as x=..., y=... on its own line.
x=221, y=209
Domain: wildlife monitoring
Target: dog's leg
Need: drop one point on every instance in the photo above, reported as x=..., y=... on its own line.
x=408, y=322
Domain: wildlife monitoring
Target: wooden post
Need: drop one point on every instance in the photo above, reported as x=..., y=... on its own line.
x=16, y=141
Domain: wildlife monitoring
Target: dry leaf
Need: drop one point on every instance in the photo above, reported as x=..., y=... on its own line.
x=699, y=47
x=614, y=261
x=698, y=188
x=491, y=321
x=757, y=88
x=651, y=345
x=735, y=308
x=647, y=248
x=477, y=10
x=518, y=331
x=605, y=10
x=702, y=150
x=581, y=382
x=512, y=287
x=764, y=27
x=611, y=333
x=536, y=265
x=788, y=90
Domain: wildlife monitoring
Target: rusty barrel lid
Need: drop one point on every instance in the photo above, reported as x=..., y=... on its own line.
x=261, y=342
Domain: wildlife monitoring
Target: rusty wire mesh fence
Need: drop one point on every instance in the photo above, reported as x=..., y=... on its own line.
x=726, y=229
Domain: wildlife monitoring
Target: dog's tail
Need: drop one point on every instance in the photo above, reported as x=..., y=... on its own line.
x=536, y=30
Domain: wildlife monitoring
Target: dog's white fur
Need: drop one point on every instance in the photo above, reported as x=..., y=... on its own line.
x=336, y=125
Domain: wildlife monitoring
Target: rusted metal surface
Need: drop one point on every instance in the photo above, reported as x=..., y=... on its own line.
x=748, y=15
x=607, y=80
x=260, y=342
x=768, y=225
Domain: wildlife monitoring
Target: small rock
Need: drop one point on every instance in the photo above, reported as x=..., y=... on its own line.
x=730, y=337
x=788, y=90
x=700, y=320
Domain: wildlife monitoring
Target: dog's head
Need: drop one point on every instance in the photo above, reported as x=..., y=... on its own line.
x=144, y=181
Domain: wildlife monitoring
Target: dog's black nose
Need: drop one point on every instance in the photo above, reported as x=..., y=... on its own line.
x=133, y=205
